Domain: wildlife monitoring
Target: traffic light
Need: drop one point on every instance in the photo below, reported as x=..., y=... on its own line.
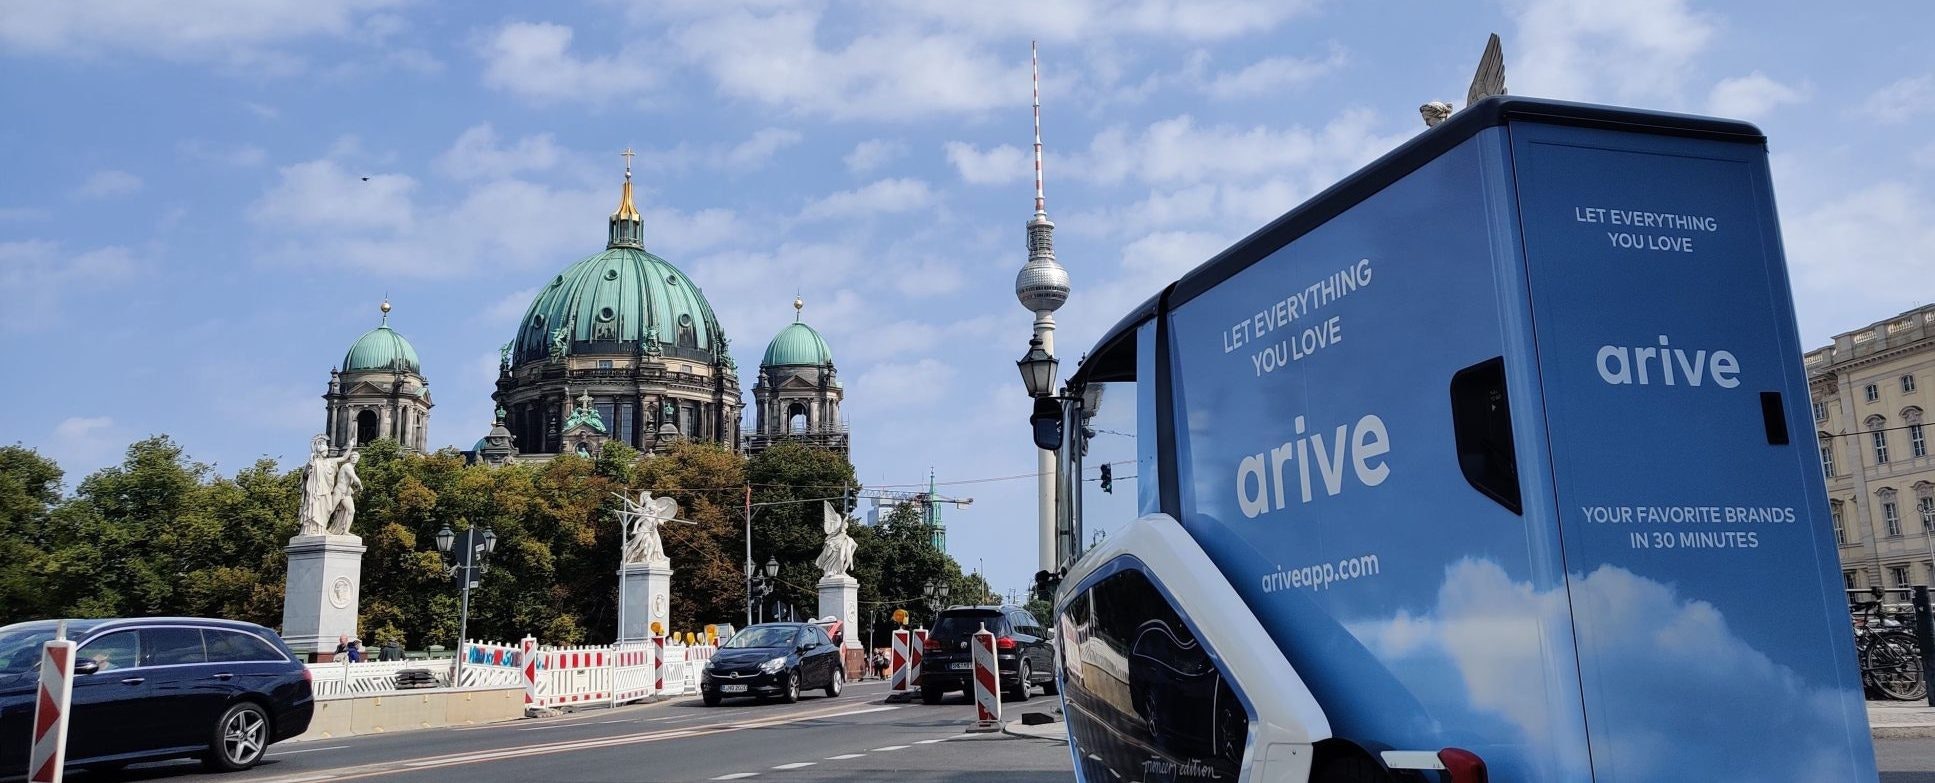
x=1108, y=478
x=1046, y=583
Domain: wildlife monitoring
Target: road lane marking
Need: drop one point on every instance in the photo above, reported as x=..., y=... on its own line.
x=542, y=728
x=305, y=750
x=796, y=765
x=930, y=742
x=845, y=756
x=504, y=754
x=609, y=722
x=737, y=776
x=888, y=748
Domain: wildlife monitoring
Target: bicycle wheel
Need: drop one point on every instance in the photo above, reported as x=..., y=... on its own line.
x=1897, y=666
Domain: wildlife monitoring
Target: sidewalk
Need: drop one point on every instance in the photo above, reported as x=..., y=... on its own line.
x=1058, y=731
x=1901, y=719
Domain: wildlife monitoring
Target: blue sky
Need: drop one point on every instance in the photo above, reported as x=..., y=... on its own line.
x=187, y=244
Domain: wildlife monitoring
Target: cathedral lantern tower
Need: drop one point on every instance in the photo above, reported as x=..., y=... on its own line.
x=798, y=393
x=378, y=392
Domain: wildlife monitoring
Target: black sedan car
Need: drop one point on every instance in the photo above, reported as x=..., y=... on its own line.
x=158, y=688
x=773, y=659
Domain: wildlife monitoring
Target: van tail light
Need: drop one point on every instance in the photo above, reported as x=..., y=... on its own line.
x=1463, y=766
x=932, y=645
x=1004, y=643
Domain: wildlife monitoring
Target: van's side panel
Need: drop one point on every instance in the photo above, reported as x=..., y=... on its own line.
x=1712, y=641
x=1422, y=613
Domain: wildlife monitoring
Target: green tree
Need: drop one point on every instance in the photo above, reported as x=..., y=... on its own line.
x=794, y=476
x=708, y=580
x=29, y=489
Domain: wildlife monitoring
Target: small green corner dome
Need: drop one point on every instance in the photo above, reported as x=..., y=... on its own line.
x=382, y=349
x=609, y=303
x=797, y=345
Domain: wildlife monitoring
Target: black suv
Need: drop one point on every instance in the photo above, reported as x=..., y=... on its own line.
x=157, y=688
x=1022, y=649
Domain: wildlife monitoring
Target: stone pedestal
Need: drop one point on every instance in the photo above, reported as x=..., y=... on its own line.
x=319, y=602
x=644, y=597
x=840, y=598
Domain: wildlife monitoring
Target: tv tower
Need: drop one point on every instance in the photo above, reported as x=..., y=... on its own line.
x=1042, y=287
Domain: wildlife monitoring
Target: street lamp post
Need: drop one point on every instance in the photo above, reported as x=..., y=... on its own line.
x=469, y=554
x=761, y=585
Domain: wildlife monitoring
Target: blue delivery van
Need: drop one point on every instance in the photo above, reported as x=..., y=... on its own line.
x=1489, y=462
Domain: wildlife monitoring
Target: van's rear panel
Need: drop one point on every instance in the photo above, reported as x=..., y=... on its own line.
x=1314, y=397
x=1701, y=569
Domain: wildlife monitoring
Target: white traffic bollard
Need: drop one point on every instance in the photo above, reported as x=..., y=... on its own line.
x=50, y=712
x=898, y=662
x=987, y=683
x=916, y=649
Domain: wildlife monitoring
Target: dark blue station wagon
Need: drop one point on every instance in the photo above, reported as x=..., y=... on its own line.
x=158, y=688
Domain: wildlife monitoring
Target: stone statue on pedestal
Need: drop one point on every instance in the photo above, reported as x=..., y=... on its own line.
x=837, y=556
x=641, y=519
x=329, y=486
x=342, y=510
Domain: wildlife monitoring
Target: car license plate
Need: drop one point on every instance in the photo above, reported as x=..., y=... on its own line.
x=732, y=689
x=961, y=667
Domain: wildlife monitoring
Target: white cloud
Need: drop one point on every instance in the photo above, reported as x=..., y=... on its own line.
x=995, y=166
x=262, y=110
x=1082, y=20
x=758, y=150
x=1634, y=51
x=534, y=61
x=1177, y=150
x=81, y=444
x=903, y=385
x=1840, y=248
x=1752, y=96
x=508, y=310
x=880, y=197
x=1273, y=75
x=1902, y=100
x=235, y=32
x=108, y=183
x=895, y=74
x=322, y=194
x=240, y=156
x=478, y=153
x=23, y=214
x=38, y=276
x=927, y=277
x=874, y=153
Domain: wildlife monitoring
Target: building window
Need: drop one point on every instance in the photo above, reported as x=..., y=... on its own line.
x=604, y=364
x=1907, y=384
x=1873, y=392
x=1847, y=578
x=1840, y=526
x=1891, y=514
x=1898, y=575
x=1926, y=506
x=1827, y=459
x=1881, y=447
x=1820, y=410
x=1915, y=443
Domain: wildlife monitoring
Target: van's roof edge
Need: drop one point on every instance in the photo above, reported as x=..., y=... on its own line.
x=1105, y=360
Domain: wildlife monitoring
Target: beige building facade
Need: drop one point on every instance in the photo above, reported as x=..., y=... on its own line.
x=1870, y=391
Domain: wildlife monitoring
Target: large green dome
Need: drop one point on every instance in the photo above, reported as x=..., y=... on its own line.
x=797, y=345
x=382, y=349
x=608, y=303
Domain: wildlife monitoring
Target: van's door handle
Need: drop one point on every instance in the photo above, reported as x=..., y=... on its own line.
x=134, y=681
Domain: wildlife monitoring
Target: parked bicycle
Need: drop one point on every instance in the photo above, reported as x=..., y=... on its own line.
x=1891, y=660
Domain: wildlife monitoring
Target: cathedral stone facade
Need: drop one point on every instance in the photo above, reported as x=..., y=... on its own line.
x=798, y=392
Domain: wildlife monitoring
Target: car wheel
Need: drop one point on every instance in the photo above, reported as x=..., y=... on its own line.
x=790, y=691
x=241, y=737
x=930, y=695
x=834, y=685
x=711, y=698
x=1050, y=687
x=1021, y=682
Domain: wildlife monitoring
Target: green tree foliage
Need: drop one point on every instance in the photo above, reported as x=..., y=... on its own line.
x=162, y=534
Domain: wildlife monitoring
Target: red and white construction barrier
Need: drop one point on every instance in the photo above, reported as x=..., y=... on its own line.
x=634, y=672
x=527, y=650
x=987, y=683
x=898, y=673
x=658, y=663
x=916, y=650
x=49, y=752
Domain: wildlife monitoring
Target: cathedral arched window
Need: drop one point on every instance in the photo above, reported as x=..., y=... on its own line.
x=366, y=427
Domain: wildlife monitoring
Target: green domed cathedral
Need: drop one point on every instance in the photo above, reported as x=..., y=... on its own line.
x=619, y=346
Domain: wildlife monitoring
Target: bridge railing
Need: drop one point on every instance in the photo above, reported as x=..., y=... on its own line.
x=553, y=677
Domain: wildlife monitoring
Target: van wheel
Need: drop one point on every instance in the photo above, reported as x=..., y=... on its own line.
x=1351, y=769
x=240, y=738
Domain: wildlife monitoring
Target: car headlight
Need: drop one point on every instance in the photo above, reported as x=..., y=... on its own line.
x=773, y=665
x=708, y=665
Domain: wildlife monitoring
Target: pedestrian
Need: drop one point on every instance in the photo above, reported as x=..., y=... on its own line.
x=348, y=649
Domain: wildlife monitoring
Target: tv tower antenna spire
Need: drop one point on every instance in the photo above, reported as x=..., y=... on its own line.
x=1034, y=72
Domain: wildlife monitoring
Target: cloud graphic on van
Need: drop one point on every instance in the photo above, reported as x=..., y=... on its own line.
x=1679, y=694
